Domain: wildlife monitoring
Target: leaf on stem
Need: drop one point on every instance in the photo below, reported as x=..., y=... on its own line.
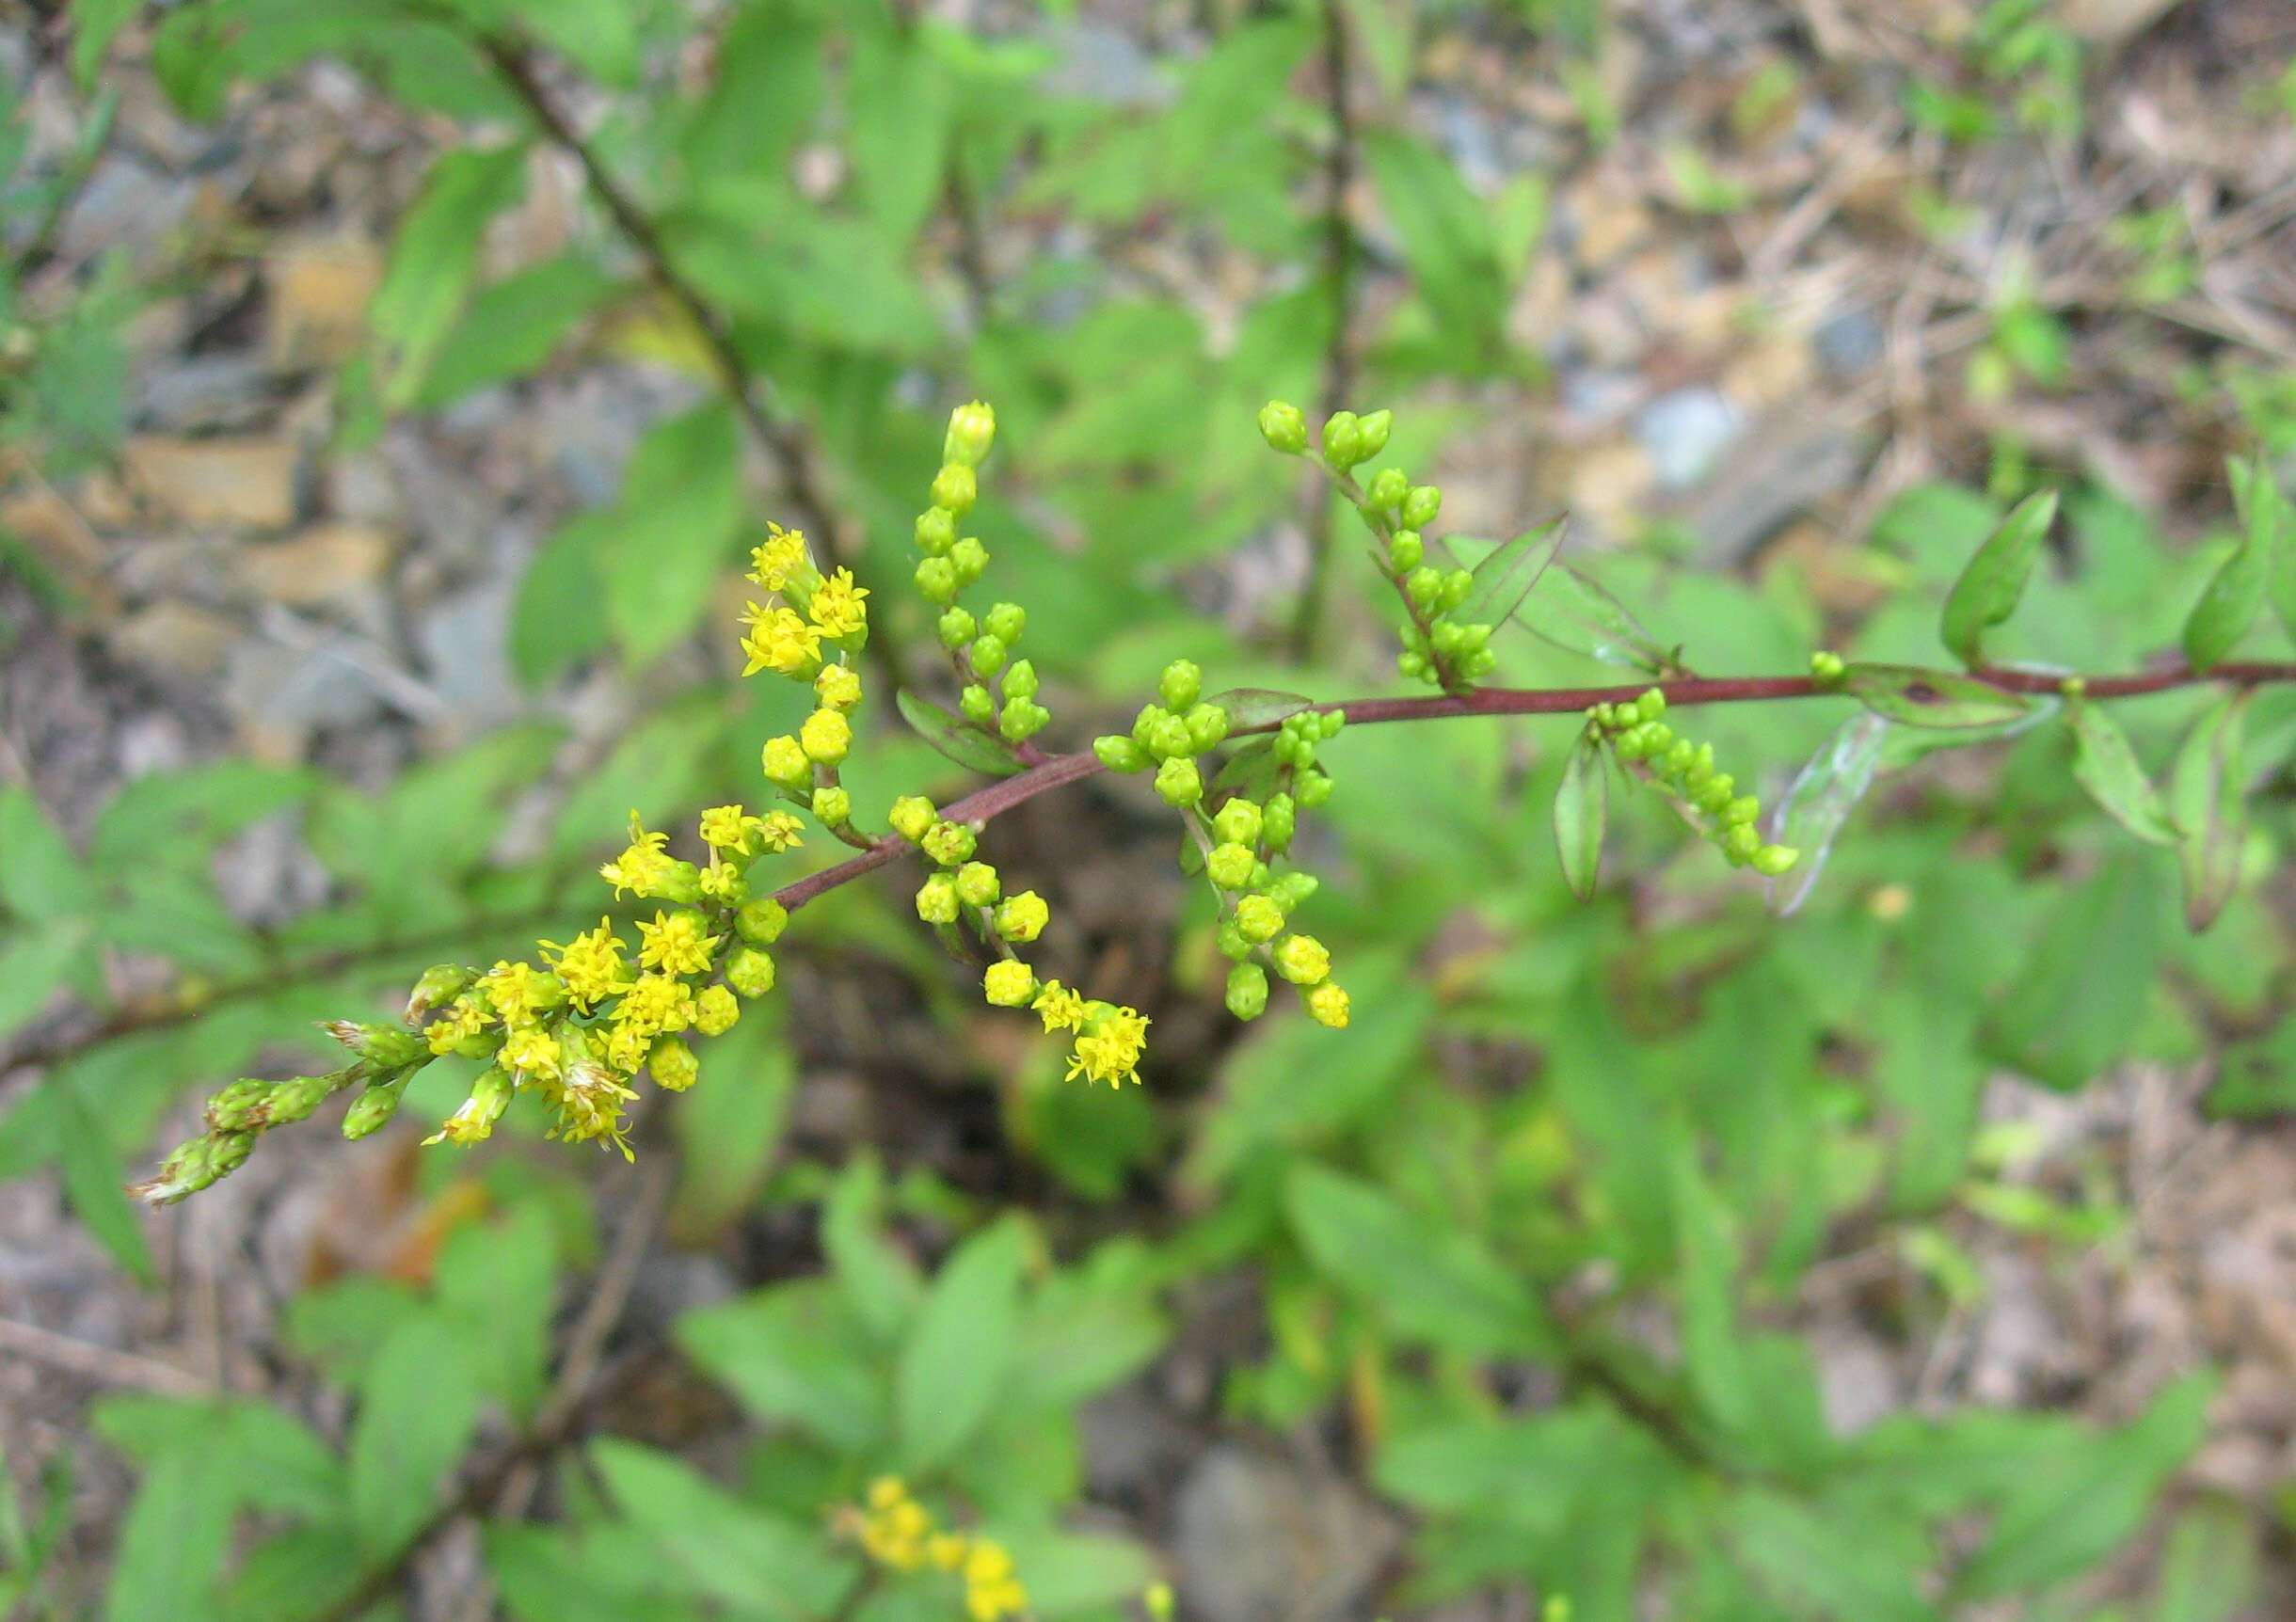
x=1505, y=575
x=2268, y=521
x=434, y=260
x=963, y=742
x=1829, y=788
x=1567, y=609
x=2105, y=766
x=2229, y=603
x=1581, y=812
x=1913, y=696
x=1987, y=590
x=2204, y=800
x=1252, y=707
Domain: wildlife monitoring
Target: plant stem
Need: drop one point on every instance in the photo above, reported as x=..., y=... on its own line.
x=1061, y=769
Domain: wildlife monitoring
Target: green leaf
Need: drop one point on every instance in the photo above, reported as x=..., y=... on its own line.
x=1448, y=241
x=799, y=1355
x=676, y=523
x=434, y=258
x=1825, y=792
x=2071, y=1506
x=897, y=104
x=1505, y=575
x=419, y=1407
x=743, y=1557
x=306, y=1572
x=94, y=24
x=514, y=326
x=1570, y=611
x=2104, y=764
x=2235, y=594
x=959, y=1354
x=2208, y=1569
x=2268, y=521
x=961, y=741
x=1249, y=708
x=1706, y=1267
x=729, y=1130
x=1432, y=1280
x=1987, y=591
x=34, y=961
x=1868, y=1566
x=879, y=1278
x=2206, y=799
x=40, y=876
x=2086, y=980
x=172, y=1548
x=559, y=616
x=1913, y=696
x=1581, y=812
x=1087, y=1327
x=600, y=36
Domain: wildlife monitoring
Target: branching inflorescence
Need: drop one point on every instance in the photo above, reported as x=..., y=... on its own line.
x=579, y=1027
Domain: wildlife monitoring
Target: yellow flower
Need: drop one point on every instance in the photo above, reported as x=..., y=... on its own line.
x=783, y=761
x=519, y=991
x=945, y=1551
x=654, y=1003
x=1062, y=1009
x=781, y=831
x=461, y=1019
x=838, y=687
x=532, y=1052
x=715, y=1011
x=837, y=606
x=781, y=642
x=1328, y=1005
x=780, y=559
x=1111, y=1046
x=730, y=828
x=825, y=736
x=990, y=1591
x=643, y=867
x=1010, y=985
x=673, y=943
x=589, y=1102
x=591, y=964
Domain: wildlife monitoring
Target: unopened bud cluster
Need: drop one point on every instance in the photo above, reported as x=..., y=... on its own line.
x=1438, y=646
x=998, y=690
x=1685, y=772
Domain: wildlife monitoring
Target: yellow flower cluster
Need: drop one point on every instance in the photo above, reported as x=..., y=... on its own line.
x=1109, y=1039
x=789, y=637
x=898, y=1532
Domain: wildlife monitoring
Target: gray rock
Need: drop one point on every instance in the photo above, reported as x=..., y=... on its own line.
x=1258, y=1540
x=1102, y=63
x=1849, y=343
x=1686, y=431
x=208, y=392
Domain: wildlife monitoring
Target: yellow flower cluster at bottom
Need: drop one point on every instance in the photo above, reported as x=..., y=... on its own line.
x=898, y=1532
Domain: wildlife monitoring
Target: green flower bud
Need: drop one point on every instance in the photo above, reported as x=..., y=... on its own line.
x=1424, y=586
x=1231, y=941
x=1387, y=487
x=1678, y=758
x=1405, y=551
x=240, y=1106
x=979, y=707
x=977, y=884
x=1294, y=888
x=1651, y=704
x=1169, y=738
x=373, y=1109
x=1773, y=860
x=1208, y=726
x=1482, y=661
x=1342, y=440
x=1007, y=620
x=441, y=983
x=1420, y=506
x=761, y=921
x=296, y=1098
x=1247, y=990
x=1743, y=809
x=971, y=430
x=1313, y=789
x=911, y=815
x=1229, y=865
x=1238, y=822
x=956, y=628
x=673, y=1064
x=1283, y=427
x=749, y=972
x=969, y=558
x=937, y=577
x=955, y=488
x=834, y=807
x=1327, y=1005
x=1371, y=431
x=1021, y=918
x=1826, y=667
x=1022, y=719
x=1259, y=918
x=1715, y=795
x=1742, y=843
x=1329, y=723
x=988, y=654
x=383, y=1046
x=1181, y=685
x=784, y=762
x=1458, y=585
x=1178, y=782
x=1020, y=681
x=949, y=843
x=936, y=531
x=227, y=1153
x=1119, y=754
x=936, y=899
x=1413, y=665
x=1276, y=823
x=1302, y=959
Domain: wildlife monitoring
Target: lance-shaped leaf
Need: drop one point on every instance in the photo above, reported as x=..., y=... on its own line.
x=1506, y=574
x=1582, y=811
x=1913, y=696
x=2267, y=520
x=2229, y=603
x=1994, y=580
x=2205, y=801
x=1567, y=609
x=1827, y=791
x=2105, y=766
x=1250, y=707
x=967, y=745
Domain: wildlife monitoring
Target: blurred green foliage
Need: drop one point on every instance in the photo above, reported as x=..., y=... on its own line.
x=1546, y=1117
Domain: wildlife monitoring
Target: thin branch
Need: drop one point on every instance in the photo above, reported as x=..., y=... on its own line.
x=102, y=1364
x=1339, y=352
